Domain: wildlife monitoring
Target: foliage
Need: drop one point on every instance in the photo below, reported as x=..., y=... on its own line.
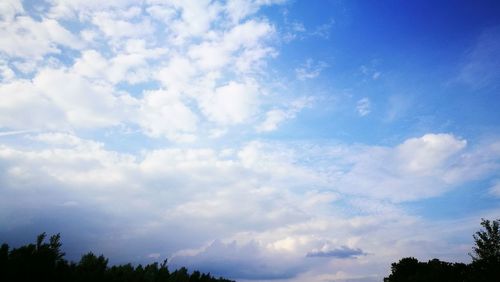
x=410, y=269
x=486, y=257
x=485, y=266
x=487, y=242
x=45, y=262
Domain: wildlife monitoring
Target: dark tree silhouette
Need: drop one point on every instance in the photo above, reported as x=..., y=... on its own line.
x=485, y=266
x=487, y=242
x=92, y=268
x=45, y=262
x=486, y=254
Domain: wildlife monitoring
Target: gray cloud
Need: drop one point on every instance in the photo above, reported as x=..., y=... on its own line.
x=241, y=261
x=342, y=252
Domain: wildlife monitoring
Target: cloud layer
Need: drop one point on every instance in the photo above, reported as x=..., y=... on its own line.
x=260, y=202
x=154, y=129
x=199, y=64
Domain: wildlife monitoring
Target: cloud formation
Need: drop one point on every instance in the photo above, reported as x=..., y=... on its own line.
x=260, y=202
x=201, y=62
x=175, y=129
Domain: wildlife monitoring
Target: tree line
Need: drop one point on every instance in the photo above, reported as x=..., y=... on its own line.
x=44, y=261
x=485, y=265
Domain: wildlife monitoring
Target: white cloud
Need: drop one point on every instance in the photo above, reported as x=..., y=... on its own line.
x=160, y=12
x=232, y=103
x=209, y=55
x=55, y=105
x=187, y=71
x=10, y=8
x=238, y=10
x=85, y=104
x=275, y=117
x=177, y=75
x=33, y=39
x=80, y=8
x=196, y=18
x=296, y=201
x=130, y=66
x=363, y=106
x=14, y=132
x=28, y=99
x=416, y=169
x=429, y=152
x=241, y=44
x=163, y=113
x=6, y=73
x=120, y=28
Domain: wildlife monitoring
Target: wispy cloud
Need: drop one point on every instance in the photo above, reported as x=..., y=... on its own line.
x=15, y=132
x=363, y=106
x=481, y=66
x=495, y=189
x=310, y=69
x=275, y=117
x=324, y=30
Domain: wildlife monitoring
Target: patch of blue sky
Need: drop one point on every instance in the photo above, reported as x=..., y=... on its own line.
x=137, y=89
x=467, y=200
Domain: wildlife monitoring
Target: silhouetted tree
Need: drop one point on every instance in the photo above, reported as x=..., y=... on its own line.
x=4, y=260
x=180, y=275
x=487, y=242
x=92, y=268
x=195, y=276
x=486, y=254
x=45, y=262
x=485, y=266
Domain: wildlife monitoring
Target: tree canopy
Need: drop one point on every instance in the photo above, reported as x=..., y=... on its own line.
x=44, y=261
x=485, y=266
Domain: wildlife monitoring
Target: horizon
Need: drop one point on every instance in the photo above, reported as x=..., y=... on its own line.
x=259, y=140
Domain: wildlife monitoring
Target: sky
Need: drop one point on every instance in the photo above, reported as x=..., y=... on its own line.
x=258, y=140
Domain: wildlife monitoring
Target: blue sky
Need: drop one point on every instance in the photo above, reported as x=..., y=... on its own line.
x=259, y=140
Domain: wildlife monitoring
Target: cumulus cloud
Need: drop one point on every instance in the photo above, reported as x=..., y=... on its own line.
x=208, y=55
x=429, y=152
x=231, y=103
x=9, y=8
x=164, y=114
x=32, y=39
x=54, y=105
x=422, y=165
